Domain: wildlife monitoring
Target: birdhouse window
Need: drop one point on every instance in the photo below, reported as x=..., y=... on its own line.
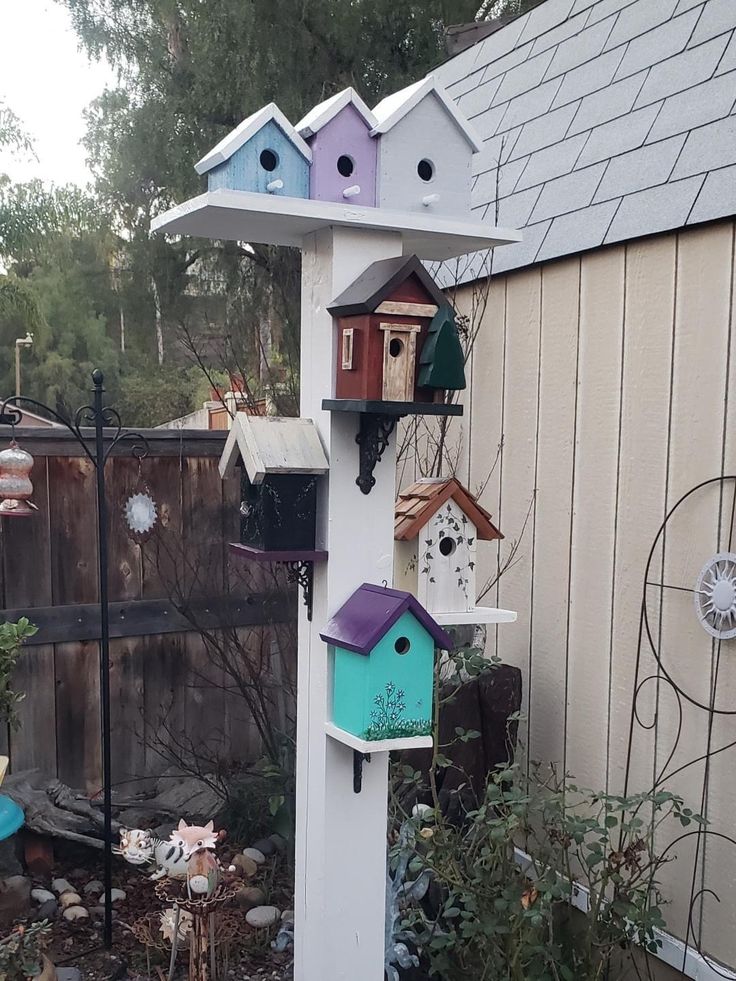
x=269, y=160
x=425, y=169
x=402, y=645
x=447, y=545
x=347, y=348
x=345, y=165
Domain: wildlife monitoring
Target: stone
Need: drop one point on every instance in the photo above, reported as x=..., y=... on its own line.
x=250, y=896
x=253, y=853
x=93, y=887
x=42, y=895
x=287, y=916
x=117, y=895
x=73, y=913
x=68, y=899
x=10, y=863
x=61, y=885
x=47, y=910
x=68, y=974
x=279, y=842
x=246, y=865
x=15, y=897
x=265, y=846
x=262, y=917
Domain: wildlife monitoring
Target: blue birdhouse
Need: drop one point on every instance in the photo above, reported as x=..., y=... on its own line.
x=264, y=154
x=382, y=642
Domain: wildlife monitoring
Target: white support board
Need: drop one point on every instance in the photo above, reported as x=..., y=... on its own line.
x=479, y=614
x=368, y=746
x=244, y=216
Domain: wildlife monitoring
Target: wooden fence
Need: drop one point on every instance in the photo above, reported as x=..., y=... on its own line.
x=159, y=591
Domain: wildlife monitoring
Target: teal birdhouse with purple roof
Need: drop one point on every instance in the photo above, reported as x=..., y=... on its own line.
x=264, y=154
x=382, y=645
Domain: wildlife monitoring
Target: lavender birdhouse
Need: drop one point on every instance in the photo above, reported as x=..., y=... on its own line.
x=343, y=152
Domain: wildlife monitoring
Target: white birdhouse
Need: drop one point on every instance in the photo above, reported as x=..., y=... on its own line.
x=436, y=531
x=425, y=151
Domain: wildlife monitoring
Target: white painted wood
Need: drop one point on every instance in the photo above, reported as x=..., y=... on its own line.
x=276, y=220
x=478, y=614
x=326, y=111
x=340, y=901
x=377, y=745
x=395, y=107
x=272, y=444
x=227, y=146
x=407, y=309
x=448, y=578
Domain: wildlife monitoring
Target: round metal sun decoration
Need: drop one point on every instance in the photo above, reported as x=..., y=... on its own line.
x=715, y=596
x=141, y=515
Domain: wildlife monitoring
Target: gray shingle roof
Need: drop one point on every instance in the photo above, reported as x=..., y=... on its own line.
x=602, y=120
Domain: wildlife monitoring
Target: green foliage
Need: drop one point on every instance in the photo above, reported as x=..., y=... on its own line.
x=21, y=951
x=12, y=636
x=13, y=136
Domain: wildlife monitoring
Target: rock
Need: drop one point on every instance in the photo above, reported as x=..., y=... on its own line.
x=75, y=913
x=10, y=864
x=47, y=910
x=265, y=846
x=15, y=897
x=287, y=916
x=253, y=853
x=246, y=865
x=68, y=974
x=420, y=810
x=278, y=842
x=116, y=895
x=61, y=885
x=262, y=917
x=250, y=896
x=42, y=895
x=68, y=899
x=94, y=887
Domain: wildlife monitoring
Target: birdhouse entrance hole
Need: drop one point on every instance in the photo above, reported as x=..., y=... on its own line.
x=395, y=347
x=345, y=165
x=269, y=160
x=447, y=545
x=425, y=169
x=402, y=645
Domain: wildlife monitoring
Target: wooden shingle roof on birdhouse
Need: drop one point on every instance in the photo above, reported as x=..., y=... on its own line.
x=370, y=612
x=420, y=501
x=381, y=281
x=272, y=445
x=227, y=146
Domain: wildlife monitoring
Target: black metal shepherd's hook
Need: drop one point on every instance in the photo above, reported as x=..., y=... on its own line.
x=100, y=416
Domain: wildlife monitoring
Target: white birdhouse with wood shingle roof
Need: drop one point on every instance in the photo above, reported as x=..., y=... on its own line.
x=425, y=151
x=438, y=524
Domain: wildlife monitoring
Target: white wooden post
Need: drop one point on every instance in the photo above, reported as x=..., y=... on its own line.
x=340, y=835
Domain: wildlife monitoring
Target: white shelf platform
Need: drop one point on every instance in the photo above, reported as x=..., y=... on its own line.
x=377, y=745
x=270, y=219
x=481, y=614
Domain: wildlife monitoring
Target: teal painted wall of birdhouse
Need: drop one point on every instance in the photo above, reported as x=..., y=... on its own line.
x=386, y=694
x=267, y=156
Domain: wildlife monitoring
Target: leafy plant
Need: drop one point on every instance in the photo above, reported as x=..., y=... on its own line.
x=12, y=636
x=21, y=952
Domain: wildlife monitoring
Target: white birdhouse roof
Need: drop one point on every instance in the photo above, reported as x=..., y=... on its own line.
x=326, y=111
x=418, y=503
x=248, y=128
x=394, y=107
x=272, y=444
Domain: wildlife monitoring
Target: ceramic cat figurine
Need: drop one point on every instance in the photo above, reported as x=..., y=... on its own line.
x=191, y=837
x=203, y=873
x=140, y=847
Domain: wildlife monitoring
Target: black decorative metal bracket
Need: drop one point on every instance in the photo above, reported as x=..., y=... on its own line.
x=302, y=573
x=358, y=760
x=372, y=439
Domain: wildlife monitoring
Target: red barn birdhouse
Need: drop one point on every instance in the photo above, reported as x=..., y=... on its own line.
x=388, y=322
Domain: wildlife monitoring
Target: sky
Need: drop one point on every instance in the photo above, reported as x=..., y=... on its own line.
x=47, y=81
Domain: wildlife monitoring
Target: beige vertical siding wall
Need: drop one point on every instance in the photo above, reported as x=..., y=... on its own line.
x=606, y=378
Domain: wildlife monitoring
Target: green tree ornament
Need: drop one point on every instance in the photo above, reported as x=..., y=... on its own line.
x=442, y=363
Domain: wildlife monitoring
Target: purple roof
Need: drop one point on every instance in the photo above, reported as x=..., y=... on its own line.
x=371, y=611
